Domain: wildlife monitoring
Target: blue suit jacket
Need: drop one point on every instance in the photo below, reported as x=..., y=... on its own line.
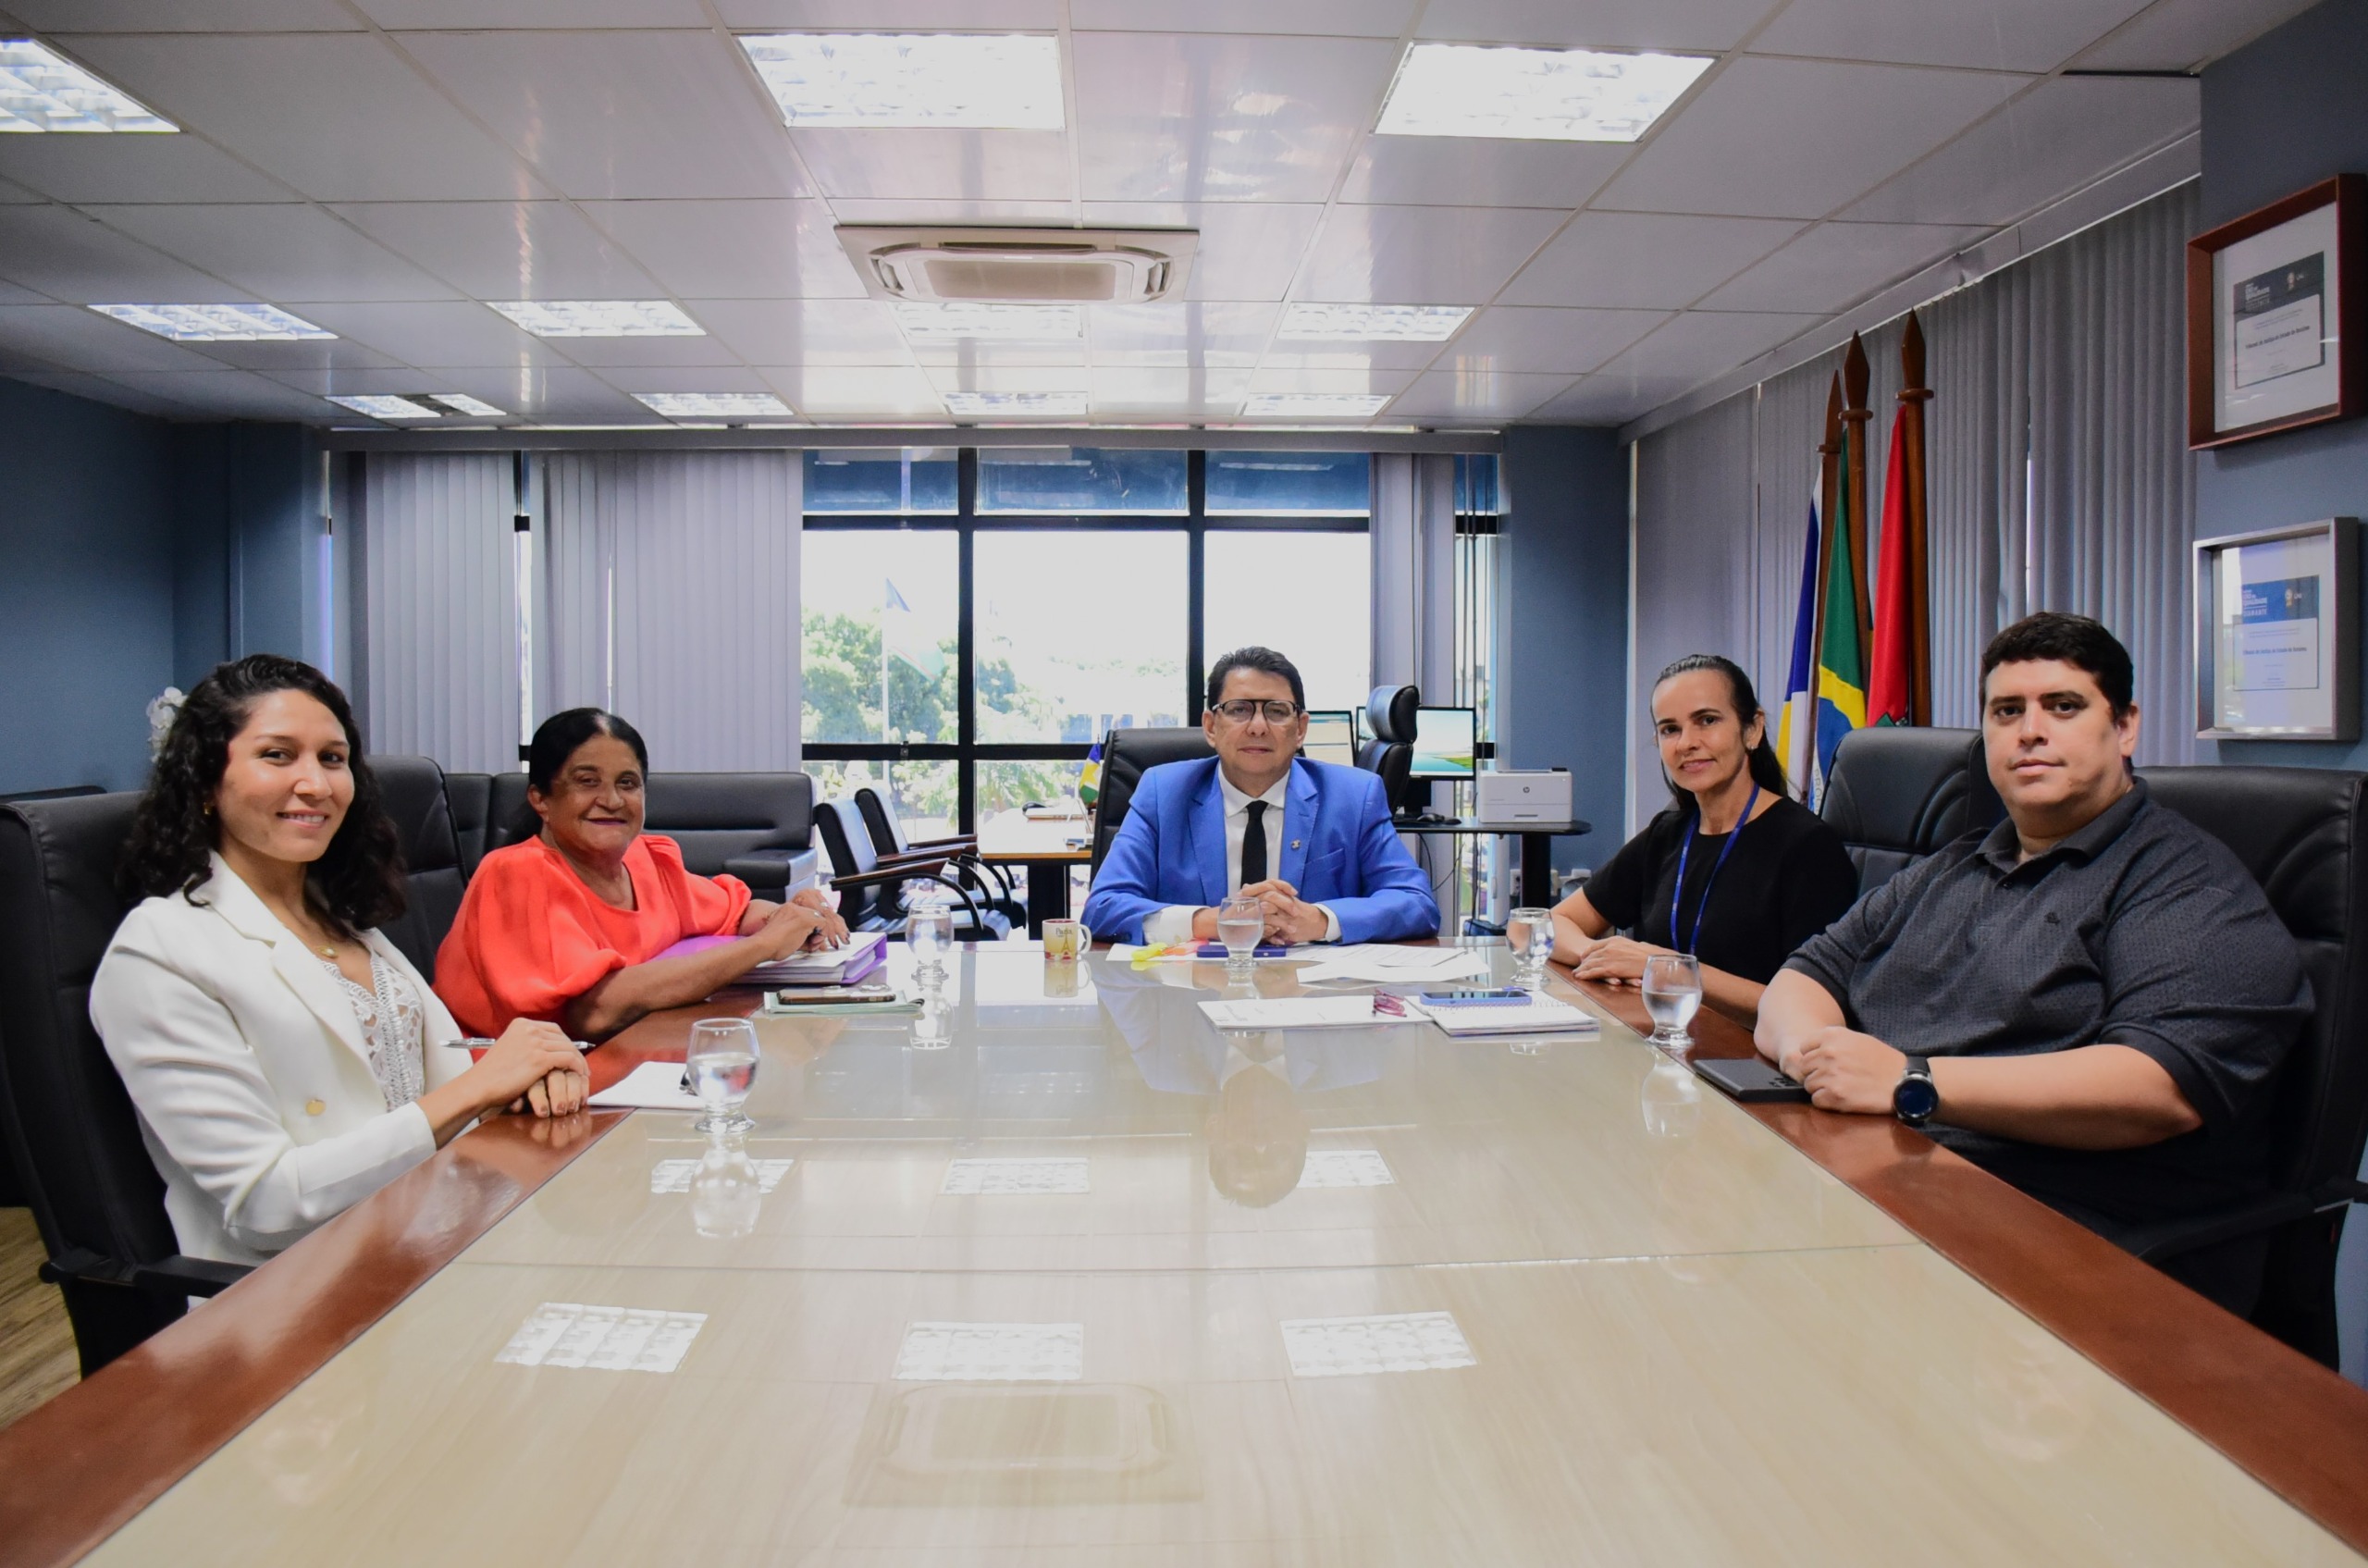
x=1337, y=850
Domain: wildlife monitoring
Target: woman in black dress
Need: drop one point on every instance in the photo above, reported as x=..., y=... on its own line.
x=1735, y=871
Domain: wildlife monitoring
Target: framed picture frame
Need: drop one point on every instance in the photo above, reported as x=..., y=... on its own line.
x=2276, y=316
x=2276, y=633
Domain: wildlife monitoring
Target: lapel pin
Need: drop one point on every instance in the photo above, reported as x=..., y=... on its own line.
x=1294, y=844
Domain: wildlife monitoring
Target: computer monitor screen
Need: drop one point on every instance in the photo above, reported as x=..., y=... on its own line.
x=1331, y=737
x=1446, y=742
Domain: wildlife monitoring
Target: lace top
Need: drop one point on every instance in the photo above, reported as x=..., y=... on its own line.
x=394, y=1026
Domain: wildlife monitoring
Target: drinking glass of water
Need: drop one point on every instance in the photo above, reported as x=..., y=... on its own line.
x=1529, y=933
x=928, y=927
x=1672, y=994
x=720, y=1062
x=1240, y=922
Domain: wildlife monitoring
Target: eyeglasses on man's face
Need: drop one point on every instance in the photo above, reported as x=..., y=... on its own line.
x=1241, y=710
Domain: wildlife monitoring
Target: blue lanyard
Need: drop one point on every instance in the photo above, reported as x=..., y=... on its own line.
x=1677, y=894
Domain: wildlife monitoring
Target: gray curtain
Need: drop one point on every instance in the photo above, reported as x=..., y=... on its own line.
x=1413, y=572
x=439, y=621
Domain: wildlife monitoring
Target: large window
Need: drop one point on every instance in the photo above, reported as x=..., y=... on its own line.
x=966, y=650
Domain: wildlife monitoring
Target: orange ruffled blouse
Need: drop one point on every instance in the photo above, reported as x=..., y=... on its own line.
x=531, y=937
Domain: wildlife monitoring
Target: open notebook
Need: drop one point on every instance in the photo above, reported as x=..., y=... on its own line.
x=1539, y=1015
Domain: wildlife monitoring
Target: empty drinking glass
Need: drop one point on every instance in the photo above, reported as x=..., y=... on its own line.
x=1240, y=922
x=1672, y=994
x=1529, y=933
x=720, y=1062
x=928, y=927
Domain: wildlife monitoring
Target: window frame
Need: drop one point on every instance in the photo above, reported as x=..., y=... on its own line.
x=966, y=751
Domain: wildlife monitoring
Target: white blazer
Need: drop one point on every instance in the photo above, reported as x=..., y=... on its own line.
x=250, y=1072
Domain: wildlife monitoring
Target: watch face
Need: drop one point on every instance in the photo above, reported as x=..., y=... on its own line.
x=1915, y=1099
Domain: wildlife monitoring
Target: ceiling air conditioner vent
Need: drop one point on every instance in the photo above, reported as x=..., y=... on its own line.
x=1028, y=267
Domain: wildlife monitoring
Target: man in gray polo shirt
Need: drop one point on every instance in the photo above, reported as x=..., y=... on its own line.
x=2090, y=1001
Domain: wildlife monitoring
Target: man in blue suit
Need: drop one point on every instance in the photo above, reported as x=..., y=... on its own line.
x=1311, y=841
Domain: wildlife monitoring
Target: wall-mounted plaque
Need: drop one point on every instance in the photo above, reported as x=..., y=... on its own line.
x=2276, y=317
x=2277, y=638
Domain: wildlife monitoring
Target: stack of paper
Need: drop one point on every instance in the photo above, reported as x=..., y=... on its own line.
x=1303, y=1012
x=1540, y=1015
x=1379, y=963
x=653, y=1086
x=826, y=966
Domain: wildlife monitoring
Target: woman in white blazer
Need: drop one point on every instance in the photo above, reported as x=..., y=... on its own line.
x=286, y=1060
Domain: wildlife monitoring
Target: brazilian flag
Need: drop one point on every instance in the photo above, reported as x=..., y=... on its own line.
x=1841, y=656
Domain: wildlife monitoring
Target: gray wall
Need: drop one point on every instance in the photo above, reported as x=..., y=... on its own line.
x=2285, y=112
x=1564, y=660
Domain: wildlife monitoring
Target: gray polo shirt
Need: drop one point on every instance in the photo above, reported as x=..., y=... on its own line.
x=2140, y=930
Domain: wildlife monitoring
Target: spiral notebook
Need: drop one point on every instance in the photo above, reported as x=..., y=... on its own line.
x=1540, y=1015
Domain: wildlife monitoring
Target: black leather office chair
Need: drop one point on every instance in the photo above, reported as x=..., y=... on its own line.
x=873, y=897
x=413, y=790
x=1897, y=795
x=758, y=827
x=98, y=1202
x=1389, y=714
x=470, y=796
x=990, y=884
x=1126, y=754
x=2303, y=835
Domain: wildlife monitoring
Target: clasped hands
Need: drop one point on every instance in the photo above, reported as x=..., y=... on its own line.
x=1288, y=918
x=808, y=920
x=1844, y=1070
x=1616, y=960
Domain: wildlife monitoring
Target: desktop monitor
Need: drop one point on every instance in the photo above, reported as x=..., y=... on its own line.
x=1445, y=744
x=1331, y=737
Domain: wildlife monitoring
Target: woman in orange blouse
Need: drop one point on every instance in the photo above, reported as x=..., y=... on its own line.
x=568, y=925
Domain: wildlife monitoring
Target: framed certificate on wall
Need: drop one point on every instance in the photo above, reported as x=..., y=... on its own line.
x=2275, y=317
x=2276, y=645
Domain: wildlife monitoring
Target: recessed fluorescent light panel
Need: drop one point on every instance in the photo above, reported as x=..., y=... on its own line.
x=461, y=403
x=1533, y=94
x=383, y=407
x=1318, y=406
x=600, y=318
x=1359, y=324
x=216, y=323
x=714, y=406
x=1068, y=403
x=41, y=92
x=959, y=81
x=923, y=321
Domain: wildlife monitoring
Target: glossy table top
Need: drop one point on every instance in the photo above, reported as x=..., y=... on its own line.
x=1624, y=1321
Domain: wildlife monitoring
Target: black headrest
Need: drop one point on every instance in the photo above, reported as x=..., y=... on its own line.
x=505, y=811
x=413, y=791
x=1126, y=754
x=880, y=821
x=845, y=839
x=1389, y=712
x=470, y=797
x=1899, y=789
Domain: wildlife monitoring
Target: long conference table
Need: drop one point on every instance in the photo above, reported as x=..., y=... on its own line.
x=1054, y=1273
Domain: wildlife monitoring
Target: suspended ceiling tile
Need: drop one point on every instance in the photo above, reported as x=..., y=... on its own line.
x=937, y=356
x=771, y=332
x=506, y=250
x=1800, y=138
x=1644, y=261
x=100, y=388
x=824, y=392
x=1124, y=331
x=851, y=210
x=1288, y=378
x=1835, y=265
x=1479, y=393
x=1700, y=25
x=1294, y=353
x=1518, y=338
x=1609, y=399
x=11, y=294
x=274, y=358
x=134, y=168
x=621, y=114
x=1347, y=19
x=937, y=165
x=456, y=333
x=732, y=250
x=1005, y=377
x=63, y=253
x=1213, y=118
x=1699, y=344
x=898, y=16
x=2177, y=35
x=1166, y=393
x=540, y=391
x=341, y=117
x=626, y=353
x=286, y=252
x=393, y=14
x=2051, y=142
x=232, y=394
x=322, y=382
x=2018, y=35
x=11, y=194
x=1248, y=250
x=185, y=15
x=1420, y=256
x=685, y=378
x=1480, y=171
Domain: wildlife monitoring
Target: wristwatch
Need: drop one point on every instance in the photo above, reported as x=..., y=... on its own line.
x=1914, y=1099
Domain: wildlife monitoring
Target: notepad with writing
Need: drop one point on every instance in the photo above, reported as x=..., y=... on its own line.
x=1540, y=1015
x=1303, y=1012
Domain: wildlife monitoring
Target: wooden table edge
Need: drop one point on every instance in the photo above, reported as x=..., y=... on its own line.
x=2296, y=1427
x=75, y=1470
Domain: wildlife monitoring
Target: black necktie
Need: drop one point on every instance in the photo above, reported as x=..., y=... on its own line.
x=1254, y=846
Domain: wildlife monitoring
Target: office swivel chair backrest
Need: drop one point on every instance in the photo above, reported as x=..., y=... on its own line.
x=847, y=845
x=1126, y=755
x=1897, y=795
x=2303, y=835
x=98, y=1202
x=470, y=796
x=758, y=827
x=1390, y=715
x=412, y=789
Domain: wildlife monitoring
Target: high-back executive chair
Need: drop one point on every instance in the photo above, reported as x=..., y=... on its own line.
x=1897, y=795
x=873, y=895
x=1389, y=714
x=1126, y=755
x=990, y=885
x=758, y=827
